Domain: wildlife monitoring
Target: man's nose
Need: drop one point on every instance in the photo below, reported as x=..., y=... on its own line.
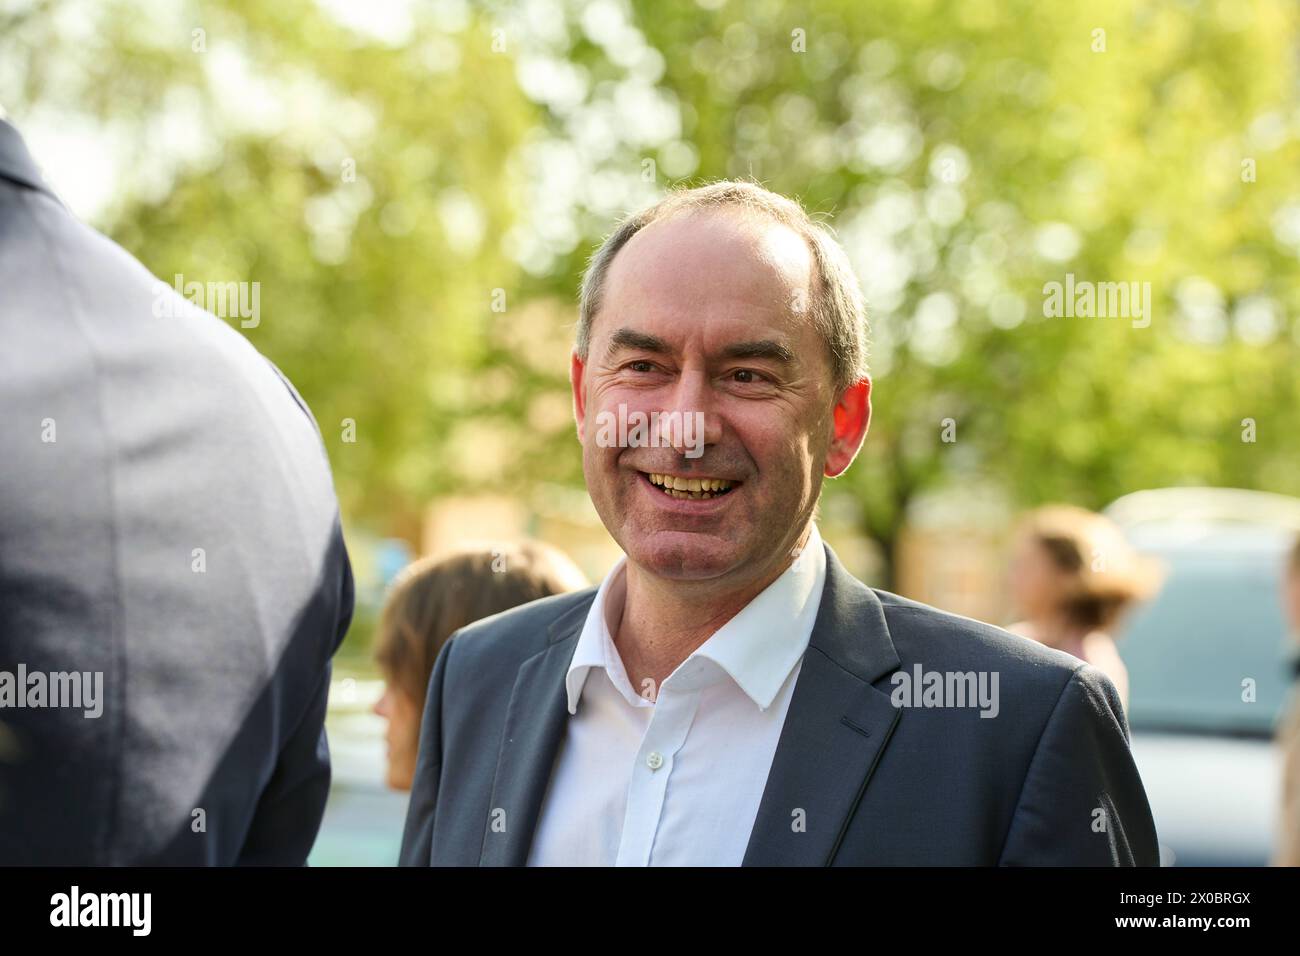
x=690, y=419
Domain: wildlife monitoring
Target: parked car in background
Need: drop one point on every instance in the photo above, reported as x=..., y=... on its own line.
x=1208, y=668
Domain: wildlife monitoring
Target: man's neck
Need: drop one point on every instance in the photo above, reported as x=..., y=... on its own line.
x=661, y=621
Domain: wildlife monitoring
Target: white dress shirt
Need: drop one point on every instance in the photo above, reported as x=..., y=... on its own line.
x=675, y=779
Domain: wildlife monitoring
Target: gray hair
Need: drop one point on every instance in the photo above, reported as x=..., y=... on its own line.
x=837, y=308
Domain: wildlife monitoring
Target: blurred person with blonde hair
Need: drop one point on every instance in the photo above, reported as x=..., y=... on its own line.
x=430, y=600
x=1288, y=736
x=1073, y=576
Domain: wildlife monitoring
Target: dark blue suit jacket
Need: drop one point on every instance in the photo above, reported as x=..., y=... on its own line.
x=1047, y=781
x=167, y=522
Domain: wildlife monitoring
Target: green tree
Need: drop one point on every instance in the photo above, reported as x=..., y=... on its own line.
x=968, y=154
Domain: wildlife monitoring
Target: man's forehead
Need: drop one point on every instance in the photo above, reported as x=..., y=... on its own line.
x=727, y=251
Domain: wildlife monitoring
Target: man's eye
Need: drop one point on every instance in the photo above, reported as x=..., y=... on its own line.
x=641, y=366
x=746, y=375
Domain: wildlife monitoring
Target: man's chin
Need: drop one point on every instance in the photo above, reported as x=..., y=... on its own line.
x=685, y=556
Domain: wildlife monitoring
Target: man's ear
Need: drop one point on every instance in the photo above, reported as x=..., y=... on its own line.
x=577, y=369
x=852, y=418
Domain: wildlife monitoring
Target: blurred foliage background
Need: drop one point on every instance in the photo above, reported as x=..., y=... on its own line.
x=416, y=187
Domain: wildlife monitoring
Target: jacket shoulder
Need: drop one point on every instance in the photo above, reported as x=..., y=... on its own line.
x=941, y=640
x=507, y=639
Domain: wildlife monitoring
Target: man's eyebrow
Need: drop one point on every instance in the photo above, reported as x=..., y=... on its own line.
x=640, y=341
x=760, y=349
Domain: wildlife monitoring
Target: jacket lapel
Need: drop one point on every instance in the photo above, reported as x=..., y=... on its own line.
x=835, y=731
x=535, y=722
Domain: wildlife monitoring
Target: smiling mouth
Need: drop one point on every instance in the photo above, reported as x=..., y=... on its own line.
x=691, y=489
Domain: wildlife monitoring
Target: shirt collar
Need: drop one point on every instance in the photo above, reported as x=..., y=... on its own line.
x=595, y=645
x=749, y=649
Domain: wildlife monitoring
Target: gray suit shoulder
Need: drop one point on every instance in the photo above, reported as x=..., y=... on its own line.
x=941, y=640
x=498, y=645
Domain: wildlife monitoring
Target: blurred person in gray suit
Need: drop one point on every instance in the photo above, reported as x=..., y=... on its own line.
x=173, y=578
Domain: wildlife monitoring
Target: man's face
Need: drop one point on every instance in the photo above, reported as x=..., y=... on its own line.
x=705, y=317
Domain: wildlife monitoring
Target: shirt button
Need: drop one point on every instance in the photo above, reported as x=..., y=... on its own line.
x=654, y=760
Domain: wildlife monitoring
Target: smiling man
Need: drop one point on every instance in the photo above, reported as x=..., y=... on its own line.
x=730, y=694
